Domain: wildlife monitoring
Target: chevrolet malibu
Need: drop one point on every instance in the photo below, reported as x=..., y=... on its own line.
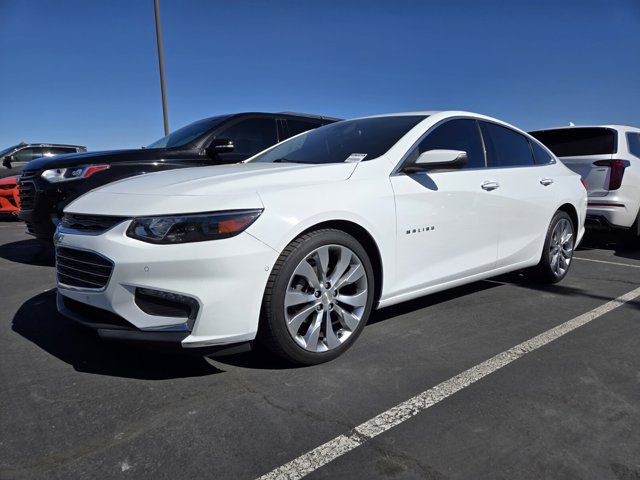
x=298, y=245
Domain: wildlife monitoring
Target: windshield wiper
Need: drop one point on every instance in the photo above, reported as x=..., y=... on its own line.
x=284, y=160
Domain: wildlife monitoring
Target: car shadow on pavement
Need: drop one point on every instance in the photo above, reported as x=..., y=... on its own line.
x=38, y=321
x=31, y=252
x=621, y=245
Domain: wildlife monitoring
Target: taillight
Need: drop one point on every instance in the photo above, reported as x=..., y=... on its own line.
x=616, y=173
x=584, y=184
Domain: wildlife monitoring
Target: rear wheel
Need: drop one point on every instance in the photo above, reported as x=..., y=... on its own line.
x=558, y=249
x=318, y=297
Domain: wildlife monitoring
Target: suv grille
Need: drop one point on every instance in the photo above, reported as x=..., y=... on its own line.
x=78, y=268
x=27, y=193
x=90, y=223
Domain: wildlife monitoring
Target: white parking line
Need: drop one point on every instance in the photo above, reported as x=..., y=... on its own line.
x=316, y=458
x=605, y=261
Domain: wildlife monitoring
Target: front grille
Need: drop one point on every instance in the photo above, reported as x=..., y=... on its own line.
x=28, y=174
x=27, y=194
x=90, y=223
x=79, y=268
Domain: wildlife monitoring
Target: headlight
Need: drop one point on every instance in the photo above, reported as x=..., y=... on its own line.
x=56, y=175
x=197, y=227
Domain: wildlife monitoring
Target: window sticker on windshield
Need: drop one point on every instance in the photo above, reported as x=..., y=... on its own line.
x=355, y=157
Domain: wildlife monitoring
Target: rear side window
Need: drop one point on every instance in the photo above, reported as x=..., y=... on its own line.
x=540, y=155
x=575, y=142
x=60, y=150
x=251, y=136
x=460, y=134
x=299, y=126
x=505, y=147
x=633, y=139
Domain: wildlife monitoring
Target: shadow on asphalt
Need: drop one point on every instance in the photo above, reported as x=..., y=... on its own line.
x=618, y=242
x=38, y=321
x=31, y=252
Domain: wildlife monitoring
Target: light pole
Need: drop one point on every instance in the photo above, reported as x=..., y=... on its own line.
x=165, y=113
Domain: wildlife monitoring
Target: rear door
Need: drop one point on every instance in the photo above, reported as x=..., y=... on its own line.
x=585, y=150
x=526, y=191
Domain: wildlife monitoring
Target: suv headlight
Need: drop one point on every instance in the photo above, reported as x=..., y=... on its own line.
x=197, y=227
x=56, y=175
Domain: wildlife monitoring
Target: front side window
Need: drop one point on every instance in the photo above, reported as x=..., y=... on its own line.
x=459, y=134
x=346, y=141
x=250, y=136
x=578, y=141
x=28, y=154
x=505, y=147
x=299, y=126
x=541, y=156
x=633, y=139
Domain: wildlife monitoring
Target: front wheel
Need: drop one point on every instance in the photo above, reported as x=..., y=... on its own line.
x=558, y=249
x=318, y=297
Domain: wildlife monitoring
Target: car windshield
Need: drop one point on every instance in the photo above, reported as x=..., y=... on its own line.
x=186, y=134
x=7, y=150
x=346, y=141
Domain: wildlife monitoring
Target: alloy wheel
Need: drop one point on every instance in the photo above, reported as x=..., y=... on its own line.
x=325, y=298
x=561, y=247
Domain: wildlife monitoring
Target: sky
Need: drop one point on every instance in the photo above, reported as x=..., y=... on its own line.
x=86, y=72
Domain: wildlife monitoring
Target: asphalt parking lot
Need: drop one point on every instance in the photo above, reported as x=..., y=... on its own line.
x=75, y=407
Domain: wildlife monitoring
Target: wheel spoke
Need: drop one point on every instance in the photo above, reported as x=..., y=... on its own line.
x=329, y=335
x=313, y=333
x=341, y=266
x=355, y=273
x=306, y=271
x=293, y=324
x=323, y=263
x=347, y=319
x=357, y=300
x=296, y=297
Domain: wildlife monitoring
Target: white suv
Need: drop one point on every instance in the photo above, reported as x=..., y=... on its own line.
x=608, y=159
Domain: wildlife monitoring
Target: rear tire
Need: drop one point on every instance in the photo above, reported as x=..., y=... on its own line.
x=318, y=298
x=557, y=252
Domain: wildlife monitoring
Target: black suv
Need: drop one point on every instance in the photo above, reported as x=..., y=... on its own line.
x=15, y=157
x=47, y=185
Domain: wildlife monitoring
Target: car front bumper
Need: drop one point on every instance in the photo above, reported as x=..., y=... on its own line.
x=224, y=278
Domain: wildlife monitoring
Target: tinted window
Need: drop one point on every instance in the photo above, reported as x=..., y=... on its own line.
x=299, y=126
x=28, y=154
x=634, y=143
x=60, y=150
x=462, y=134
x=251, y=136
x=351, y=140
x=574, y=142
x=184, y=135
x=505, y=147
x=540, y=155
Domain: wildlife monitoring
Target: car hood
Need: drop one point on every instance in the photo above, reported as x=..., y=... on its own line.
x=203, y=189
x=84, y=158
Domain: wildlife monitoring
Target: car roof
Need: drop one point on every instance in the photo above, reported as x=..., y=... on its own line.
x=43, y=144
x=271, y=114
x=570, y=127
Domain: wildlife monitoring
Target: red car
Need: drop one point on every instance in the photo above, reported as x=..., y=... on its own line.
x=9, y=201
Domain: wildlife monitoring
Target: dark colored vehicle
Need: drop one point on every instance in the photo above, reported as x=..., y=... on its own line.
x=15, y=157
x=47, y=185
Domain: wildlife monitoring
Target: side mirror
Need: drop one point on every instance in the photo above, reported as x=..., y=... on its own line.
x=7, y=161
x=438, y=160
x=220, y=145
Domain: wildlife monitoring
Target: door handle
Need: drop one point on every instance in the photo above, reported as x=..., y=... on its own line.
x=546, y=181
x=488, y=186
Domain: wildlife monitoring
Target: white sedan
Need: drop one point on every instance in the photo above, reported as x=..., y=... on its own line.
x=297, y=246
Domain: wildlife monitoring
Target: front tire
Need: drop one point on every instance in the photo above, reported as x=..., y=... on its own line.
x=558, y=249
x=318, y=297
